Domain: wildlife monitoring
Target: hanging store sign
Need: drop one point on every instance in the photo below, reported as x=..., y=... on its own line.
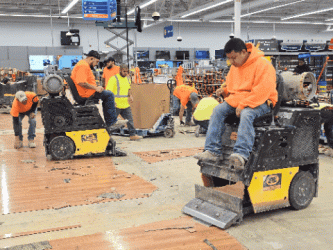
x=99, y=10
x=168, y=31
x=267, y=45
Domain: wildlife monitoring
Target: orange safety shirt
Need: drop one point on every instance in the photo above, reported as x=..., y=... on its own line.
x=108, y=73
x=82, y=73
x=18, y=107
x=253, y=83
x=183, y=93
x=179, y=76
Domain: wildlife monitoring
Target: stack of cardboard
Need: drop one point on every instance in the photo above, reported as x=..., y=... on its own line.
x=150, y=102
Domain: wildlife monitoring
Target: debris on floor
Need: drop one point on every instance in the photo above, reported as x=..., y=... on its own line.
x=163, y=155
x=181, y=233
x=43, y=245
x=49, y=183
x=21, y=234
x=326, y=150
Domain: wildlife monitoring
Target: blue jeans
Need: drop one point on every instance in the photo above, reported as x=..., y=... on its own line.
x=127, y=114
x=176, y=106
x=31, y=130
x=203, y=124
x=109, y=108
x=245, y=134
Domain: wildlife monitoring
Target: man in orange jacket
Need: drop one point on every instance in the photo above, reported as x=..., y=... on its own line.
x=24, y=104
x=86, y=86
x=185, y=97
x=250, y=83
x=110, y=69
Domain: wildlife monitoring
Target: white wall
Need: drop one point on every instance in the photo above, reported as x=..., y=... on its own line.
x=39, y=32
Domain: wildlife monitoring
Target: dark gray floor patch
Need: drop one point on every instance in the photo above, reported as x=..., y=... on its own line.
x=43, y=245
x=111, y=196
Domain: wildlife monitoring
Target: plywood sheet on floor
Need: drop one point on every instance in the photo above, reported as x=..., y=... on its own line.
x=29, y=182
x=168, y=154
x=181, y=234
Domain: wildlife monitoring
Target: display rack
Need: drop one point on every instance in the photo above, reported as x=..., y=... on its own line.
x=316, y=61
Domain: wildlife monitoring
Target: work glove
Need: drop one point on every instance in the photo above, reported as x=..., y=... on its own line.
x=182, y=123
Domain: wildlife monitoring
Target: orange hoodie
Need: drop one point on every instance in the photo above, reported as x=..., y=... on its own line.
x=253, y=83
x=179, y=76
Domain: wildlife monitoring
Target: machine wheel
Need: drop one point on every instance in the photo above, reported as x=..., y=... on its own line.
x=168, y=133
x=197, y=132
x=61, y=148
x=302, y=190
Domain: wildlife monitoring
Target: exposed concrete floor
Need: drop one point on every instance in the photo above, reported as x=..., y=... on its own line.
x=311, y=228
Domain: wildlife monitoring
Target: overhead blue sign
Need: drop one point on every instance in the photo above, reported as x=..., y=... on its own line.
x=168, y=31
x=99, y=10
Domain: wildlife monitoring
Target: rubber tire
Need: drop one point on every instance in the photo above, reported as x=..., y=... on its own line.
x=197, y=132
x=67, y=145
x=168, y=133
x=301, y=199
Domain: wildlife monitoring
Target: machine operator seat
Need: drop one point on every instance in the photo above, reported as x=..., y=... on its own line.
x=266, y=119
x=78, y=99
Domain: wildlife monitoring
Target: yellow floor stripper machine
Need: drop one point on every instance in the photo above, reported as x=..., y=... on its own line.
x=282, y=169
x=73, y=129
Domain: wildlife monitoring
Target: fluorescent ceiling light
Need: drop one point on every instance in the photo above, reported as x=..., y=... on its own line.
x=329, y=19
x=271, y=8
x=221, y=21
x=69, y=6
x=307, y=13
x=277, y=22
x=207, y=8
x=186, y=21
x=142, y=6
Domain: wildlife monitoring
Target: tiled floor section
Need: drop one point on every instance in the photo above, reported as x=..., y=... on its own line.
x=168, y=154
x=29, y=182
x=177, y=234
x=14, y=235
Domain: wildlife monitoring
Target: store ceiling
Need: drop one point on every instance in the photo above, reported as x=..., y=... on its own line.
x=266, y=11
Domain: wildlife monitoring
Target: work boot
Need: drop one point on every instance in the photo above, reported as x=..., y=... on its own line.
x=118, y=125
x=18, y=143
x=236, y=161
x=31, y=144
x=208, y=156
x=135, y=137
x=191, y=124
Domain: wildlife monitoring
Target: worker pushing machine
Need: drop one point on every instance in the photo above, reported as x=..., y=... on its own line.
x=110, y=69
x=24, y=104
x=86, y=86
x=250, y=85
x=120, y=86
x=187, y=98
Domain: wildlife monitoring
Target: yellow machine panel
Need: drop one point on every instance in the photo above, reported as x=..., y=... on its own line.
x=270, y=189
x=90, y=141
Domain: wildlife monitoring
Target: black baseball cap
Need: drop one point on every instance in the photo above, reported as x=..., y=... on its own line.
x=109, y=59
x=93, y=53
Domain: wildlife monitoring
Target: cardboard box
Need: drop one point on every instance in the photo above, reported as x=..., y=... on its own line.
x=40, y=89
x=150, y=102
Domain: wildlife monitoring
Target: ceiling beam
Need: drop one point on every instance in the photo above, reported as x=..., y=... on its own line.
x=230, y=11
x=199, y=8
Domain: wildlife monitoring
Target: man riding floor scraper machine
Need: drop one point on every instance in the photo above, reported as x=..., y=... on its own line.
x=73, y=129
x=282, y=169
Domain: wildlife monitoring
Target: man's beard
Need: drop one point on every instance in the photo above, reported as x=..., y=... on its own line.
x=109, y=67
x=92, y=67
